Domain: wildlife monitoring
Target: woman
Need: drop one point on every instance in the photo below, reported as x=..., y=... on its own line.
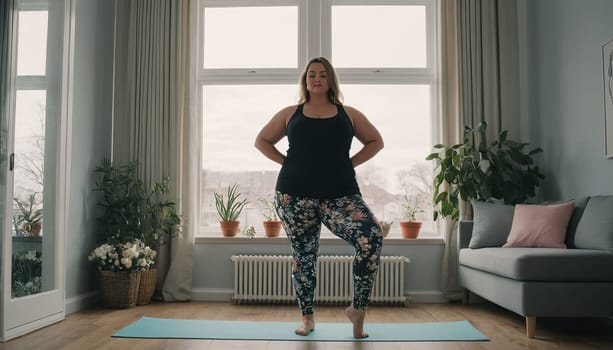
x=317, y=185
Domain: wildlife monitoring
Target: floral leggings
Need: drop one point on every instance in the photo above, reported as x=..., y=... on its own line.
x=347, y=217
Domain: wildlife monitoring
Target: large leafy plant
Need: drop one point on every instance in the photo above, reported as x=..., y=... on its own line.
x=131, y=210
x=503, y=169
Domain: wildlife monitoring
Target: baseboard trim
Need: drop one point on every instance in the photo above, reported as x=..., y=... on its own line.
x=32, y=326
x=426, y=297
x=212, y=294
x=225, y=294
x=81, y=302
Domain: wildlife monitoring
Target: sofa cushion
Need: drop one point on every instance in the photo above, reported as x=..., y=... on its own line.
x=542, y=264
x=491, y=224
x=580, y=204
x=595, y=229
x=542, y=226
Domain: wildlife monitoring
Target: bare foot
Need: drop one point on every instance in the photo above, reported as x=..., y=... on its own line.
x=308, y=325
x=357, y=319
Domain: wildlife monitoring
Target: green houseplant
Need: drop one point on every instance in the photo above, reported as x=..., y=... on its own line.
x=134, y=212
x=130, y=210
x=229, y=209
x=30, y=216
x=26, y=273
x=121, y=201
x=272, y=224
x=503, y=169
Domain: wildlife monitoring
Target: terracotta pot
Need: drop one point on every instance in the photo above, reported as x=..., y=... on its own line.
x=272, y=228
x=410, y=229
x=32, y=229
x=229, y=228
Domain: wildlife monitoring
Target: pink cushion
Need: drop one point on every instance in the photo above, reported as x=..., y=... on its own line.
x=542, y=226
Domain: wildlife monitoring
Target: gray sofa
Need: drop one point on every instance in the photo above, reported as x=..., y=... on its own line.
x=543, y=282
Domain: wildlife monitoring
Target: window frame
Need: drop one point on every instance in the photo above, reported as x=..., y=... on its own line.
x=314, y=18
x=247, y=76
x=29, y=82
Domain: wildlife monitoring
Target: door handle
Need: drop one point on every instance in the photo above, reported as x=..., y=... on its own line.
x=12, y=162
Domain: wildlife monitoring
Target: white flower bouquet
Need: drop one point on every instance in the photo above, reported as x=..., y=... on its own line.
x=129, y=256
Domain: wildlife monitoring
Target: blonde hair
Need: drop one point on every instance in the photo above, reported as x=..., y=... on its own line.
x=334, y=93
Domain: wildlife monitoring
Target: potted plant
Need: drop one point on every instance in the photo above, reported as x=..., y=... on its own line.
x=385, y=227
x=503, y=169
x=159, y=219
x=272, y=224
x=30, y=216
x=121, y=201
x=131, y=211
x=249, y=232
x=229, y=209
x=120, y=266
x=410, y=226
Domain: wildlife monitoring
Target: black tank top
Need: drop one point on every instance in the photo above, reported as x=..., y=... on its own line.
x=317, y=163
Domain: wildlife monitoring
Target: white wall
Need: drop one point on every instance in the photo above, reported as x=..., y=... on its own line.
x=213, y=276
x=563, y=96
x=91, y=138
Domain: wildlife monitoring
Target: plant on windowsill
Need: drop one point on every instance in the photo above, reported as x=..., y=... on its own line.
x=30, y=216
x=503, y=169
x=385, y=227
x=229, y=209
x=272, y=224
x=249, y=232
x=410, y=227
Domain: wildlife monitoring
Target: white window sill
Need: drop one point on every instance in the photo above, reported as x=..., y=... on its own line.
x=215, y=237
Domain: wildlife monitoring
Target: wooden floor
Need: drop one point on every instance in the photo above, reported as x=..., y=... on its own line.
x=92, y=328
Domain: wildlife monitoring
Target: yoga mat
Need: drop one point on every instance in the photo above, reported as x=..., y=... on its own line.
x=164, y=328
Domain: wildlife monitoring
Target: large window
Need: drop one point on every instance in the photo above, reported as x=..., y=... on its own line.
x=250, y=57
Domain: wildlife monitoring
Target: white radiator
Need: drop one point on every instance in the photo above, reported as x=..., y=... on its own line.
x=268, y=279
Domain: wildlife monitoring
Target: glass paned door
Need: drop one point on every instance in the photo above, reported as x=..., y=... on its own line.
x=33, y=288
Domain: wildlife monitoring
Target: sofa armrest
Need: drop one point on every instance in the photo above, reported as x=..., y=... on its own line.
x=465, y=231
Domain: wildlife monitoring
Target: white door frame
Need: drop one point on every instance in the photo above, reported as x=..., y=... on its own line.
x=26, y=314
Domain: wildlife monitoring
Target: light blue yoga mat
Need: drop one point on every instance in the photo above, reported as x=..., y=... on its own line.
x=164, y=328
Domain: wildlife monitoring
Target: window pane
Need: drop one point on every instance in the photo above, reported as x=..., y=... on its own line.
x=401, y=113
x=28, y=219
x=251, y=37
x=228, y=135
x=32, y=43
x=379, y=36
x=30, y=113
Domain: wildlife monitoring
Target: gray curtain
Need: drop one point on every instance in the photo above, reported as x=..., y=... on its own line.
x=153, y=118
x=480, y=82
x=488, y=64
x=7, y=21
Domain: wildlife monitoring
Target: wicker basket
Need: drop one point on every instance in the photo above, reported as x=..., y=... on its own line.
x=148, y=278
x=119, y=289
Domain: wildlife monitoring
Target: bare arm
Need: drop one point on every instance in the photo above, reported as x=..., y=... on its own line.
x=272, y=132
x=367, y=134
